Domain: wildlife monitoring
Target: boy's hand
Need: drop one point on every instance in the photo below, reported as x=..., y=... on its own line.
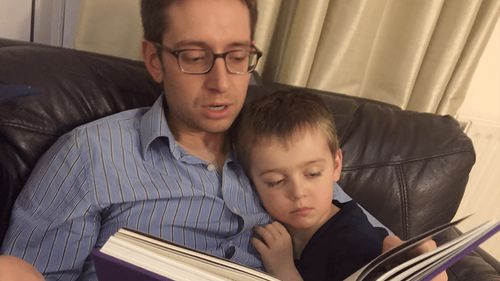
x=274, y=245
x=392, y=241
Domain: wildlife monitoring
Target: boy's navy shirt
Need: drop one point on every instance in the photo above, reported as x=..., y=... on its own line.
x=344, y=244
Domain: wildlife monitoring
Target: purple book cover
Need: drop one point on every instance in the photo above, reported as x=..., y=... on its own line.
x=109, y=268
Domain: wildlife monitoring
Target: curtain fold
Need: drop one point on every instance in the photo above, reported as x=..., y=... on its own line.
x=268, y=16
x=442, y=56
x=342, y=53
x=416, y=54
x=303, y=33
x=484, y=24
x=398, y=50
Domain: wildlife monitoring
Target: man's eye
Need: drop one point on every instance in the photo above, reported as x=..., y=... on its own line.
x=193, y=57
x=238, y=56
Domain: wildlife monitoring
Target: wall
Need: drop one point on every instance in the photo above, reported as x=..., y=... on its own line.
x=481, y=109
x=15, y=19
x=54, y=21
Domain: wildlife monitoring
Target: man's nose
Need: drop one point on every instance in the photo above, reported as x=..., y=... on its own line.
x=218, y=77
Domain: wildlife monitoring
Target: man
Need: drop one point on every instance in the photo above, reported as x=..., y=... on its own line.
x=166, y=170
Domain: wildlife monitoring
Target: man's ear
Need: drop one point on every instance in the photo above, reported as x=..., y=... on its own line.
x=337, y=161
x=152, y=61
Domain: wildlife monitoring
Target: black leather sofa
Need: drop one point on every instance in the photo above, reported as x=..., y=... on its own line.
x=409, y=169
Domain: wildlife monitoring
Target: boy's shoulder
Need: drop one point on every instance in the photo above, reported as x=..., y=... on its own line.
x=352, y=219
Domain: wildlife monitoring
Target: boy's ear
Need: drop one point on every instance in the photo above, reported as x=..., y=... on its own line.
x=337, y=161
x=152, y=61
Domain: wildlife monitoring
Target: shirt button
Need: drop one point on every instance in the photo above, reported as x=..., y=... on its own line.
x=229, y=252
x=211, y=167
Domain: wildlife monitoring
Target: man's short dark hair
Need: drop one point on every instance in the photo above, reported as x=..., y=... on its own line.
x=155, y=23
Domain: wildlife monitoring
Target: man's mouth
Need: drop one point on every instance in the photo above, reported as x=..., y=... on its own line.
x=217, y=107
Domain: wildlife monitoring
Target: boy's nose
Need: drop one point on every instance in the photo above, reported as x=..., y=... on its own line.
x=297, y=190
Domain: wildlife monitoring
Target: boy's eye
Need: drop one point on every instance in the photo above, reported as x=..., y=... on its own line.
x=275, y=183
x=314, y=174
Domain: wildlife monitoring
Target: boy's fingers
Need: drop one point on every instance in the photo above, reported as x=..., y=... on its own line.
x=280, y=228
x=265, y=233
x=274, y=228
x=260, y=246
x=426, y=246
x=443, y=276
x=390, y=241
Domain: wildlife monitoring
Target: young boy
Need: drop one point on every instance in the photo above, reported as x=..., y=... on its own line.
x=287, y=143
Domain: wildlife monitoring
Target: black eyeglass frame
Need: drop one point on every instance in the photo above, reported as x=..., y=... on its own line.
x=175, y=53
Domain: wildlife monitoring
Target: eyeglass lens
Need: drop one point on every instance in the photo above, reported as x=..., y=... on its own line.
x=200, y=61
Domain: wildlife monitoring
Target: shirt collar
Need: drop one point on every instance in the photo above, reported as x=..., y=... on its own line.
x=153, y=125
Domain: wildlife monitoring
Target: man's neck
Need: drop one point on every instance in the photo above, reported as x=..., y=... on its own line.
x=210, y=147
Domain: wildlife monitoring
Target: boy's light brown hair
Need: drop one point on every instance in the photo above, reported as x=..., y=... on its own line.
x=281, y=115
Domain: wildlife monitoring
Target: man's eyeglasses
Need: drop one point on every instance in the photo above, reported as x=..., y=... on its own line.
x=201, y=61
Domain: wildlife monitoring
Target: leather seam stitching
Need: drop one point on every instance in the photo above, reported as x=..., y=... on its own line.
x=28, y=128
x=404, y=200
x=402, y=162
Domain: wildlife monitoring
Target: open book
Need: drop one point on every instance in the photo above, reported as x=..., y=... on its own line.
x=400, y=263
x=130, y=255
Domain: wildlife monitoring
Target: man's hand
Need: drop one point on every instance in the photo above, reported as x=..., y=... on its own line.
x=392, y=241
x=13, y=269
x=274, y=245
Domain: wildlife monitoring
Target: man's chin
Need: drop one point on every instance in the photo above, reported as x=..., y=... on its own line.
x=217, y=127
x=217, y=130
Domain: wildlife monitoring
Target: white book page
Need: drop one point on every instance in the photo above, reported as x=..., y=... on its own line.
x=168, y=253
x=189, y=252
x=158, y=264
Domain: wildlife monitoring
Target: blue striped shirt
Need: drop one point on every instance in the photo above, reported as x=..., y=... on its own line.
x=126, y=170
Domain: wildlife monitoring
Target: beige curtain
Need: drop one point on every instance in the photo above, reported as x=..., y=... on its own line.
x=416, y=54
